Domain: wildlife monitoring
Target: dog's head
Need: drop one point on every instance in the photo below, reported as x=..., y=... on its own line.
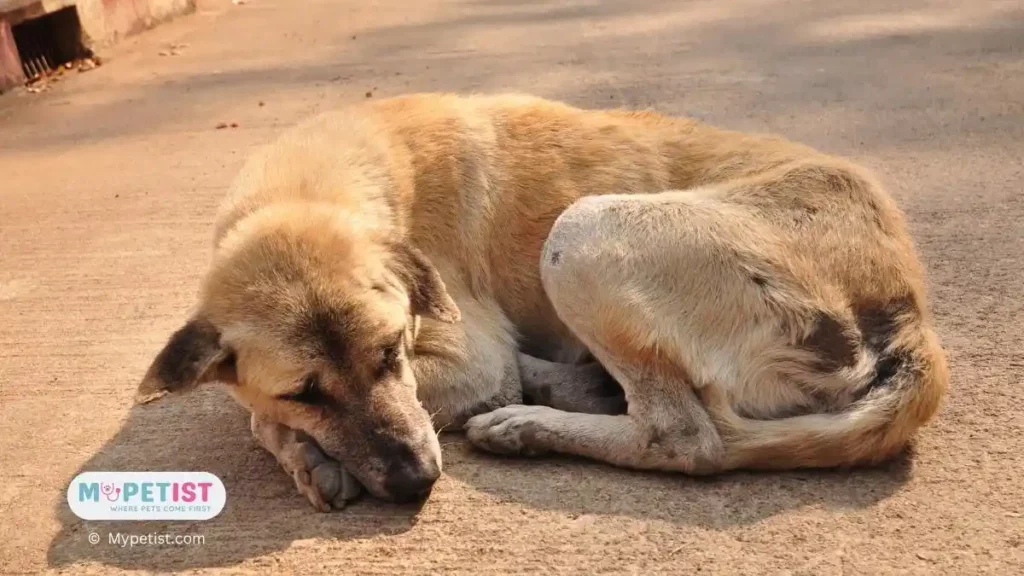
x=308, y=316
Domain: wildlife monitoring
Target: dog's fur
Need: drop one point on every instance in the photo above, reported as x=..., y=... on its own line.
x=759, y=303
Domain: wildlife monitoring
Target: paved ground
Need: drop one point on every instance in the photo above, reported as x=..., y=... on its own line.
x=108, y=182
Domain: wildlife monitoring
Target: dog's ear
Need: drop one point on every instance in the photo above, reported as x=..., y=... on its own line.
x=192, y=356
x=427, y=293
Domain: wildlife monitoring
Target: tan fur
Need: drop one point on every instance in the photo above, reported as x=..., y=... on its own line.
x=749, y=294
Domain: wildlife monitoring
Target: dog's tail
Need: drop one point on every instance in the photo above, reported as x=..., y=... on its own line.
x=909, y=379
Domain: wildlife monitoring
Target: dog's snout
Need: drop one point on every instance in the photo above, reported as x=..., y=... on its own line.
x=412, y=483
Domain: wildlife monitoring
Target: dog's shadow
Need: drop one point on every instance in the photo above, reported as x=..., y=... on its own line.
x=207, y=431
x=579, y=487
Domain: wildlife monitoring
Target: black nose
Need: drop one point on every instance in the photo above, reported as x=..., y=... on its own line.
x=412, y=483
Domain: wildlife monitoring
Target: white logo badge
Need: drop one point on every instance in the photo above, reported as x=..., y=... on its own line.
x=146, y=495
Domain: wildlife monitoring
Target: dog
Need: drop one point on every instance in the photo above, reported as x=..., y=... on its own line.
x=642, y=290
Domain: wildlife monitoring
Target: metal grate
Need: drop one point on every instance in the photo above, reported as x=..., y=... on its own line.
x=49, y=41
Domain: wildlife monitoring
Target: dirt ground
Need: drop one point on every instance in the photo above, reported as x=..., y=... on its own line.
x=109, y=179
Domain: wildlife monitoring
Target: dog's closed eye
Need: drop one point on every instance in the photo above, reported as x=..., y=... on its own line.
x=391, y=356
x=310, y=393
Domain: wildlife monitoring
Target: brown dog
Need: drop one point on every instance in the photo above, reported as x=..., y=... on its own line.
x=404, y=265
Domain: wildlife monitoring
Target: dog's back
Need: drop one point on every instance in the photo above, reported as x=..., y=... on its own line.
x=478, y=181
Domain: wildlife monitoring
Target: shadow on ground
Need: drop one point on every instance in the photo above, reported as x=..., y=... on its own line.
x=208, y=431
x=579, y=487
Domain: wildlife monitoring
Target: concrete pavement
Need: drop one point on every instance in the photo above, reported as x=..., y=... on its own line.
x=109, y=179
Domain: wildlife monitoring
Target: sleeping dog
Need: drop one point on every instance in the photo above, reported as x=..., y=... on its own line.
x=666, y=295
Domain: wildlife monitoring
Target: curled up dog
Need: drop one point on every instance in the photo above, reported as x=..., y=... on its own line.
x=664, y=295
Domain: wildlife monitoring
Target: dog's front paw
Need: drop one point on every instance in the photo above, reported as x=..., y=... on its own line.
x=334, y=484
x=321, y=480
x=509, y=430
x=324, y=482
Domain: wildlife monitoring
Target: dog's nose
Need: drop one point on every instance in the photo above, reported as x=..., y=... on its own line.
x=412, y=483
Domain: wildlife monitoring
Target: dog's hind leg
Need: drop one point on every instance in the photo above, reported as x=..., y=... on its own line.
x=323, y=481
x=639, y=279
x=672, y=293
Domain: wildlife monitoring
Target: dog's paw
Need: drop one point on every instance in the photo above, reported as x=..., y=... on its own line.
x=335, y=485
x=509, y=430
x=324, y=482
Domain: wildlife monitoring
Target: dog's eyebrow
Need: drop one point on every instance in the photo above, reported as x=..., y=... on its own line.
x=328, y=330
